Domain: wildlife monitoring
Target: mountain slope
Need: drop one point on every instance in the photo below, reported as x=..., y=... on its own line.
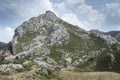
x=46, y=41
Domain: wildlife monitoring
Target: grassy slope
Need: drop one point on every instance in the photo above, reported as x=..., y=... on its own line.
x=78, y=42
x=78, y=45
x=68, y=75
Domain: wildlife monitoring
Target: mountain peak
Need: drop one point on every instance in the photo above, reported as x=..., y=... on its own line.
x=50, y=12
x=50, y=16
x=36, y=23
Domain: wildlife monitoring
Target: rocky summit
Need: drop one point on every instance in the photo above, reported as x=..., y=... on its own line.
x=46, y=41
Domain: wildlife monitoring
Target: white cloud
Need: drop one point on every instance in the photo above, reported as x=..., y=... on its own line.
x=74, y=2
x=112, y=16
x=27, y=8
x=6, y=34
x=90, y=17
x=72, y=18
x=61, y=9
x=113, y=9
x=88, y=13
x=79, y=13
x=35, y=8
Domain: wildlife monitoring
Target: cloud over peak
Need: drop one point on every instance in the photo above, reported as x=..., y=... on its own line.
x=6, y=34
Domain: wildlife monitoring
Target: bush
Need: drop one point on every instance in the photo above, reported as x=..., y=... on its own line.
x=4, y=73
x=27, y=67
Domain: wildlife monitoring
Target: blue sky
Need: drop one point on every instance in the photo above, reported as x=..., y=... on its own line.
x=87, y=14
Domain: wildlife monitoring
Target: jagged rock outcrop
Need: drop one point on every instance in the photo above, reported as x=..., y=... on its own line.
x=46, y=62
x=8, y=68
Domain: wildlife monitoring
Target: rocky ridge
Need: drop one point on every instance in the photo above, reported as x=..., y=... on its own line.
x=115, y=34
x=105, y=37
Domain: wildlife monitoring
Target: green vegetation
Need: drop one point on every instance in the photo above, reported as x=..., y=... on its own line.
x=116, y=64
x=45, y=26
x=4, y=73
x=24, y=40
x=28, y=67
x=77, y=43
x=85, y=67
x=20, y=70
x=109, y=59
x=98, y=43
x=19, y=48
x=103, y=61
x=3, y=62
x=49, y=75
x=2, y=45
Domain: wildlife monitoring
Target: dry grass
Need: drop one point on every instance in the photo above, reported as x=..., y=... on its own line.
x=70, y=75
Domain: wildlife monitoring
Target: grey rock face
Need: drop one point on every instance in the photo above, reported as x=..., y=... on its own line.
x=43, y=64
x=50, y=16
x=107, y=38
x=31, y=52
x=46, y=62
x=10, y=67
x=57, y=35
x=36, y=24
x=26, y=63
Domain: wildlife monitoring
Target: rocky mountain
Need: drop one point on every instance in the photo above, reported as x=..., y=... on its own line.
x=115, y=34
x=46, y=41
